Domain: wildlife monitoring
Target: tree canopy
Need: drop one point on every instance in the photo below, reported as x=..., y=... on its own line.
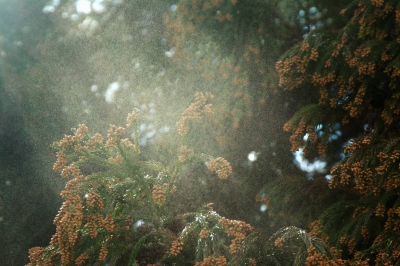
x=259, y=132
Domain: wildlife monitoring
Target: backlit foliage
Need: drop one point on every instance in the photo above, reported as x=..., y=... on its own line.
x=110, y=188
x=118, y=206
x=209, y=45
x=355, y=72
x=117, y=210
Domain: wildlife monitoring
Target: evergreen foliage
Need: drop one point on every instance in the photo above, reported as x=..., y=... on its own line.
x=327, y=76
x=354, y=71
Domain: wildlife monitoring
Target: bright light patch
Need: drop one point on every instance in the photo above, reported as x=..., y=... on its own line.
x=263, y=207
x=110, y=92
x=151, y=134
x=83, y=6
x=170, y=53
x=138, y=223
x=252, y=156
x=86, y=22
x=313, y=10
x=98, y=6
x=305, y=165
x=48, y=9
x=142, y=127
